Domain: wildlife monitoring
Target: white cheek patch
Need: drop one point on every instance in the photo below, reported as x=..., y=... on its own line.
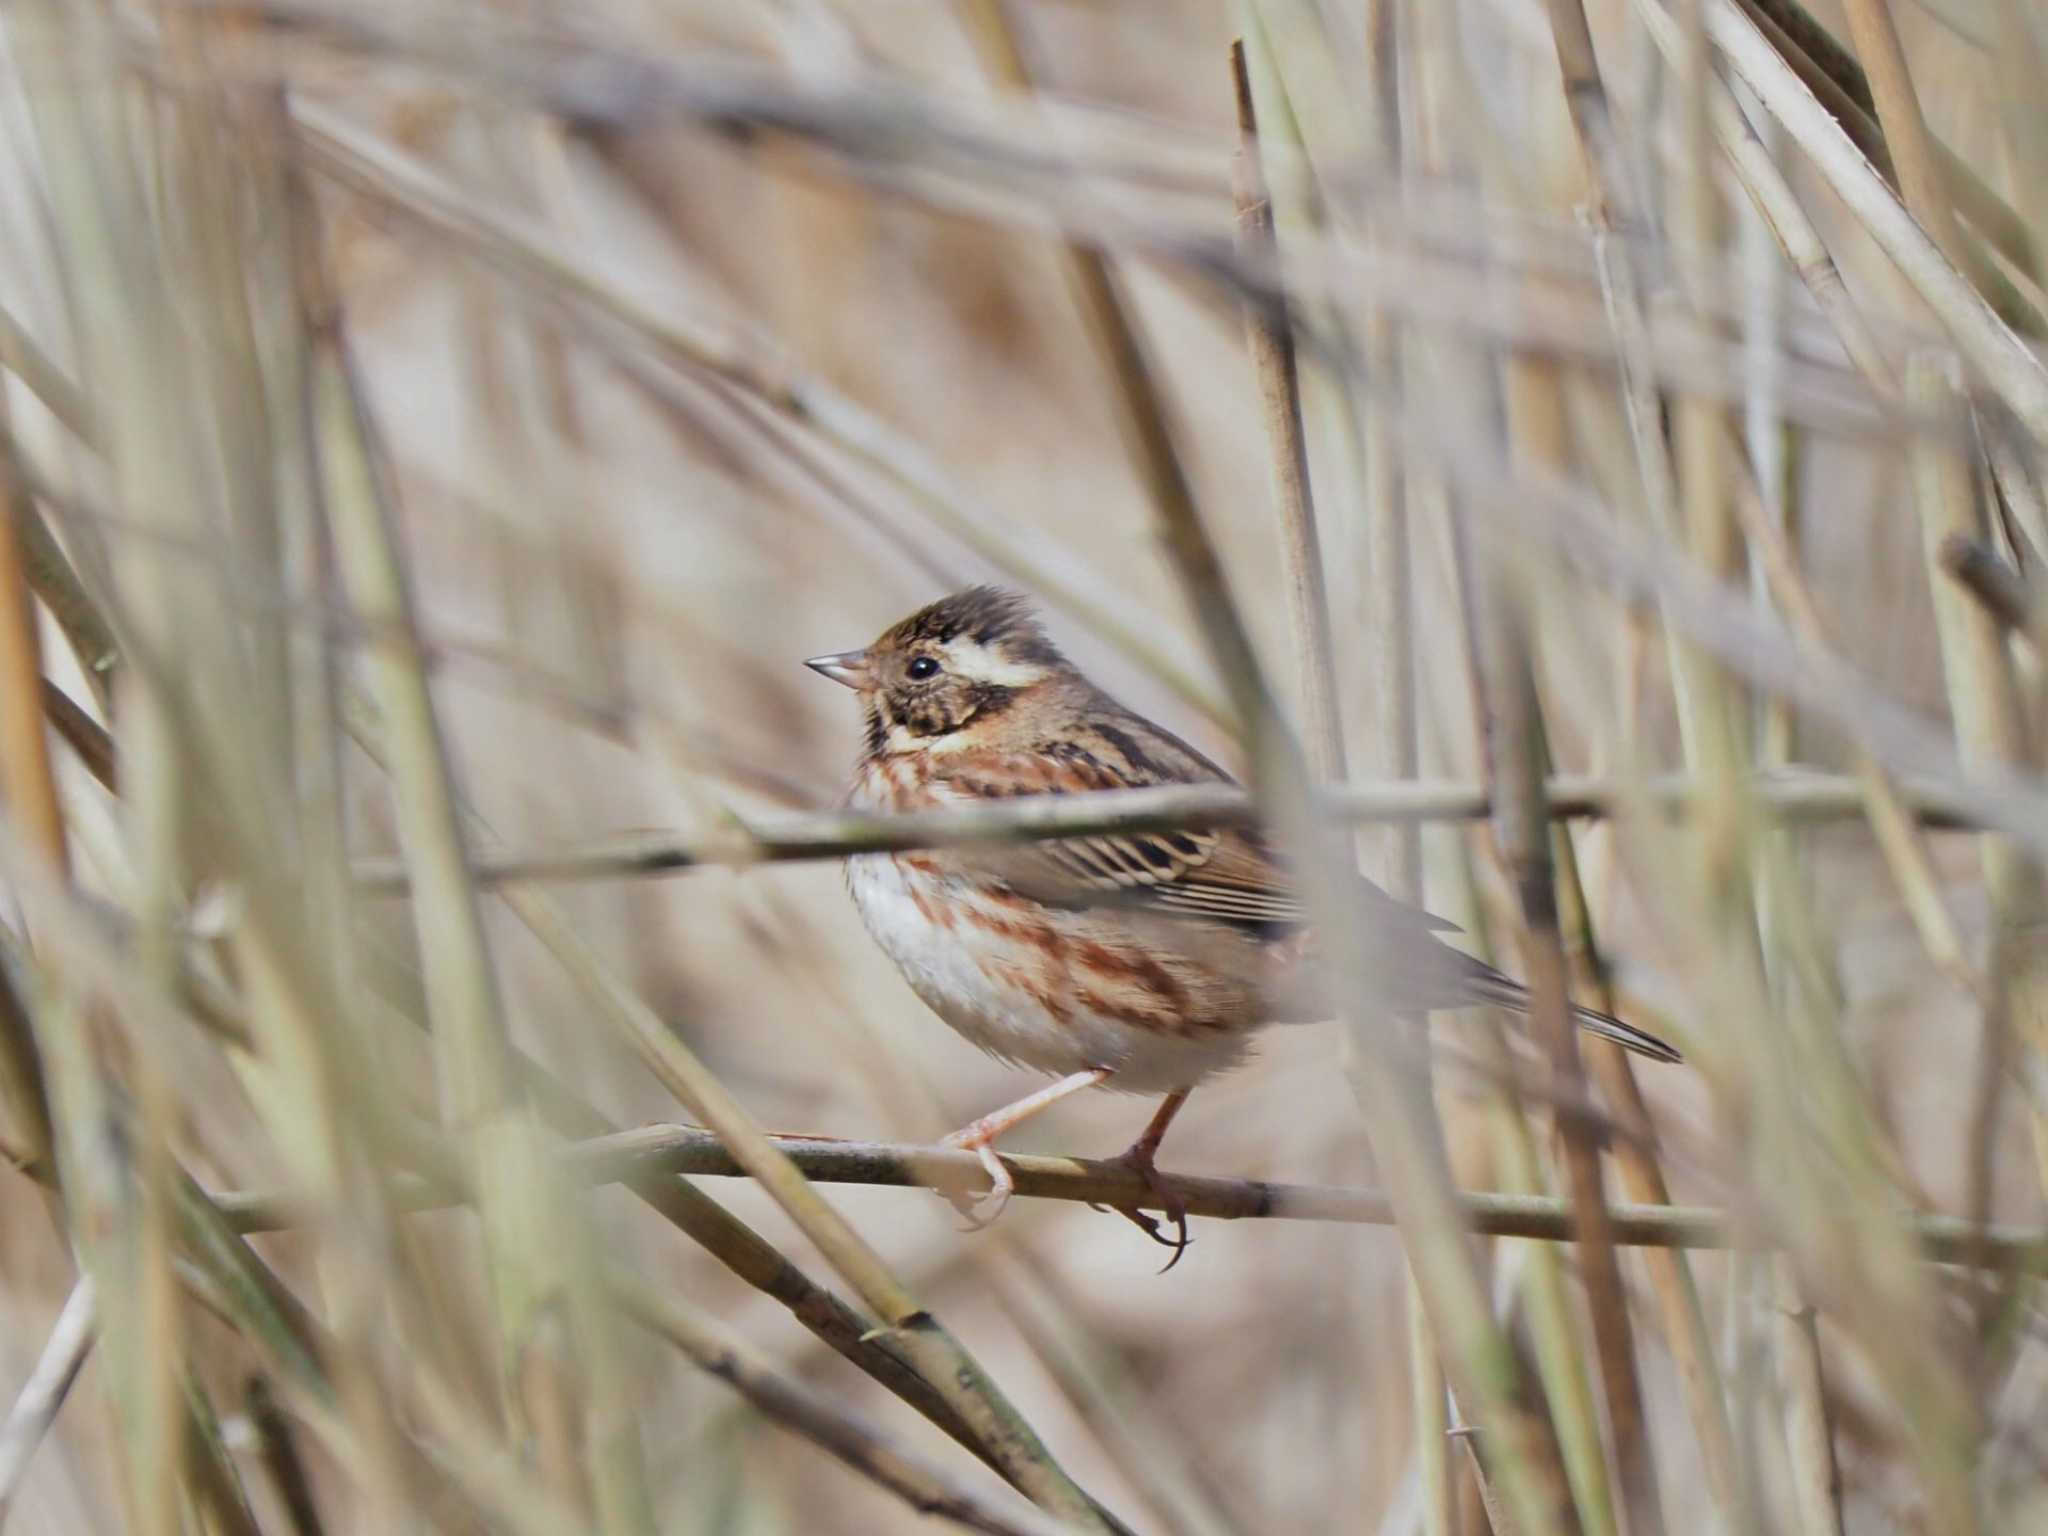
x=978, y=664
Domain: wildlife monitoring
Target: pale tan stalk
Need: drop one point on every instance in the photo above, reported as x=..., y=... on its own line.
x=1524, y=833
x=1520, y=1448
x=1804, y=797
x=1536, y=416
x=1269, y=337
x=1772, y=195
x=1821, y=61
x=36, y=1406
x=539, y=1254
x=1905, y=128
x=338, y=149
x=2001, y=357
x=1990, y=727
x=30, y=789
x=1809, y=1439
x=916, y=1332
x=659, y=1151
x=731, y=1241
x=25, y=773
x=798, y=1407
x=1396, y=41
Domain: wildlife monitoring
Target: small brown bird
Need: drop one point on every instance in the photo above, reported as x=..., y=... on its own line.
x=1142, y=962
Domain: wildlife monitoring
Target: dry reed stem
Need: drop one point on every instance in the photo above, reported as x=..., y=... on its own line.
x=1536, y=312
x=1810, y=1448
x=254, y=1302
x=111, y=1108
x=1920, y=1372
x=1142, y=415
x=1927, y=177
x=55, y=581
x=243, y=1287
x=1714, y=738
x=1905, y=128
x=1809, y=46
x=658, y=1151
x=728, y=1239
x=1404, y=1125
x=1808, y=256
x=754, y=1260
x=598, y=85
x=754, y=367
x=277, y=1449
x=1523, y=829
x=1270, y=340
x=1271, y=344
x=1810, y=1440
x=1796, y=668
x=868, y=1450
x=1386, y=506
x=1642, y=1180
x=1536, y=418
x=85, y=736
x=2007, y=596
x=1583, y=534
x=30, y=789
x=1050, y=1314
x=802, y=1409
x=472, y=1064
x=1611, y=208
x=1772, y=196
x=42, y=1395
x=1490, y=604
x=1990, y=726
x=211, y=1476
x=562, y=1372
x=26, y=777
x=932, y=1351
x=2001, y=357
x=1850, y=105
x=1798, y=798
x=1891, y=821
x=877, y=1352
x=43, y=378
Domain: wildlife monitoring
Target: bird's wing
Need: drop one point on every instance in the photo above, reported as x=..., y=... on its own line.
x=1228, y=876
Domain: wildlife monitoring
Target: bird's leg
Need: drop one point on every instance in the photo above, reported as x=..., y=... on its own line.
x=981, y=1135
x=1138, y=1157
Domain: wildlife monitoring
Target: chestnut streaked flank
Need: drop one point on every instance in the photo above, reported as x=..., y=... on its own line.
x=1143, y=961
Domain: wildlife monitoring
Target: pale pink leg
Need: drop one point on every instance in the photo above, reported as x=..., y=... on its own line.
x=982, y=1134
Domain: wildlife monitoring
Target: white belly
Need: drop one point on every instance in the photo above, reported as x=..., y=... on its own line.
x=1003, y=995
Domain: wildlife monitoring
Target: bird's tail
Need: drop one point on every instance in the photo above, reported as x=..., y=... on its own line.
x=1490, y=986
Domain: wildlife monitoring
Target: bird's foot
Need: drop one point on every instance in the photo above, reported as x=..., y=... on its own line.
x=980, y=1210
x=1138, y=1159
x=980, y=1139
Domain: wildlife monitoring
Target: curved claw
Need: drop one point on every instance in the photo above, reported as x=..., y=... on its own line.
x=1176, y=1209
x=1000, y=1187
x=980, y=1138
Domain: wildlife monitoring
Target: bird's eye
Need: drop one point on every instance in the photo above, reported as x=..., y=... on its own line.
x=922, y=668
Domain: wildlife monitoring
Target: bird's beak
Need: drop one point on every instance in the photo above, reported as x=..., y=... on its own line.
x=848, y=667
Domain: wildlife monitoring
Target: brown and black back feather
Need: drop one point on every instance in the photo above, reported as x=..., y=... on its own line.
x=1229, y=879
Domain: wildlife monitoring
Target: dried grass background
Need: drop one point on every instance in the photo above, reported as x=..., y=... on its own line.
x=670, y=344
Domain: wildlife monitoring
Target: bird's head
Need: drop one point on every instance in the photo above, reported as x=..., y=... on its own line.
x=958, y=662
